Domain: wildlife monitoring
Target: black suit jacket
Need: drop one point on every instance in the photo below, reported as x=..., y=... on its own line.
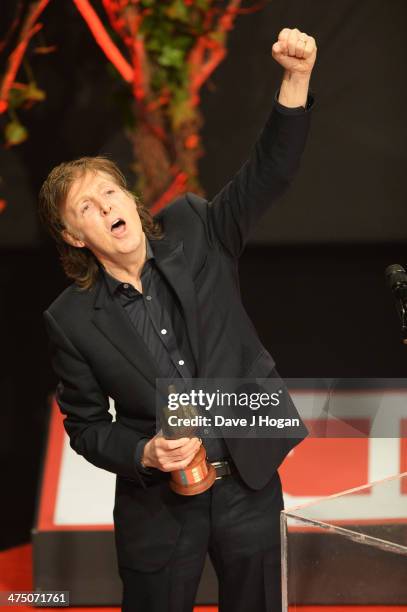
x=97, y=353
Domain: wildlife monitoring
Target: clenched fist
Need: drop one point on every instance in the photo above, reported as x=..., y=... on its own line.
x=169, y=455
x=295, y=51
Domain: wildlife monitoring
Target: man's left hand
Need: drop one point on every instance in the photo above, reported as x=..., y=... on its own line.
x=296, y=52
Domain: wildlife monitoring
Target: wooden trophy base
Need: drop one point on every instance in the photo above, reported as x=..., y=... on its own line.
x=196, y=478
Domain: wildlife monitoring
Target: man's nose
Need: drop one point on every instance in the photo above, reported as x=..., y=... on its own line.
x=105, y=208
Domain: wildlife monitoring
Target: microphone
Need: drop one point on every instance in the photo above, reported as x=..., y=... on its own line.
x=396, y=277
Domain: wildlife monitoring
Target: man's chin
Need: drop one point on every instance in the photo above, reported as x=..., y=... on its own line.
x=124, y=246
x=127, y=247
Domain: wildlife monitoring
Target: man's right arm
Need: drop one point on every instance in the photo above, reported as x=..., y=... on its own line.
x=92, y=432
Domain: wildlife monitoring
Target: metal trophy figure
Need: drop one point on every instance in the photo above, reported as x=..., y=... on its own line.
x=199, y=475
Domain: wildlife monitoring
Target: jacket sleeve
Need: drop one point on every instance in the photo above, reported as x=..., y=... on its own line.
x=92, y=432
x=263, y=178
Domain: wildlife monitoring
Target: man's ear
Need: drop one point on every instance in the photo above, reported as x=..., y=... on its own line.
x=70, y=239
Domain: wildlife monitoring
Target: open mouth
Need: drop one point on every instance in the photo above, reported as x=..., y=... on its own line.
x=118, y=227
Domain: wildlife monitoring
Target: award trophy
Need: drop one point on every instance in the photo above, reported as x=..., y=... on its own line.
x=199, y=475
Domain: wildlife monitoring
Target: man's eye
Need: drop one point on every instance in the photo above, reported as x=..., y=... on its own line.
x=85, y=208
x=110, y=191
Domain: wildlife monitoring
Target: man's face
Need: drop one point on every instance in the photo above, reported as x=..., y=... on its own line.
x=98, y=214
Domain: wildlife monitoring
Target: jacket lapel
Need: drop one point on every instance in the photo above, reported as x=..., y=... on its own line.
x=111, y=319
x=113, y=322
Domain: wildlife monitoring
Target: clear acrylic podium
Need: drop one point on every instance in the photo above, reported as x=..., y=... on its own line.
x=348, y=548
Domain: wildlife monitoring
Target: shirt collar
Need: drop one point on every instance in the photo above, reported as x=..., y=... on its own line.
x=113, y=283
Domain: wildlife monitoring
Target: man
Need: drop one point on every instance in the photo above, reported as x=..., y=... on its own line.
x=160, y=299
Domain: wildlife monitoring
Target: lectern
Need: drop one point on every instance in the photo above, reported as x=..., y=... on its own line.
x=348, y=548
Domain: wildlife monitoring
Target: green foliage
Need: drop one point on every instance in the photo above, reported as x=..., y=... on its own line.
x=171, y=56
x=15, y=133
x=178, y=10
x=180, y=109
x=170, y=30
x=34, y=94
x=21, y=96
x=25, y=94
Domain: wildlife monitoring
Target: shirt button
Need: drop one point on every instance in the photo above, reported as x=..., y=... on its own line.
x=181, y=362
x=163, y=331
x=125, y=286
x=148, y=297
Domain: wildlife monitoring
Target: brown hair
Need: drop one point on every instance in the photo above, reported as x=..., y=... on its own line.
x=80, y=264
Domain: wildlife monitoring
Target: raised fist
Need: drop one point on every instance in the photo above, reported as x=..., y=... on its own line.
x=295, y=51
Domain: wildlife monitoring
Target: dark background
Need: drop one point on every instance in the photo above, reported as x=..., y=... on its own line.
x=311, y=278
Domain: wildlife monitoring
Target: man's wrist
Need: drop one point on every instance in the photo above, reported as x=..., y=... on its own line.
x=144, y=457
x=140, y=455
x=294, y=90
x=294, y=111
x=297, y=77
